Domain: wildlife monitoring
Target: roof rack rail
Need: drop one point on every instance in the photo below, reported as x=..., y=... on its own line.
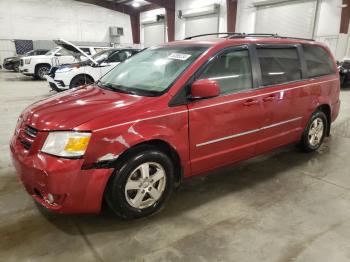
x=231, y=35
x=269, y=35
x=224, y=33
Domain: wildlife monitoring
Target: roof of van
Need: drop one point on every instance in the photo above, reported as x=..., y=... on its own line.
x=241, y=38
x=245, y=40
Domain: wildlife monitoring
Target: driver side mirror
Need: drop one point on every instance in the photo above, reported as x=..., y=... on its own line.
x=205, y=88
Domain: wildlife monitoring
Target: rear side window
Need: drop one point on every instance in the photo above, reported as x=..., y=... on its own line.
x=279, y=65
x=232, y=70
x=318, y=61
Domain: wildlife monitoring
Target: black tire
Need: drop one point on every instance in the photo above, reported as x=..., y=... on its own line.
x=41, y=71
x=116, y=195
x=343, y=80
x=80, y=80
x=306, y=143
x=16, y=68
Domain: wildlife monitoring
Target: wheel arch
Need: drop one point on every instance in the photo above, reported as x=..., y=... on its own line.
x=326, y=109
x=41, y=64
x=158, y=144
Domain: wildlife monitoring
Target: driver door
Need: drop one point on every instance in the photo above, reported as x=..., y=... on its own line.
x=225, y=129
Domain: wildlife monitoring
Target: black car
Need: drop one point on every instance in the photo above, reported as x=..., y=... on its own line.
x=344, y=72
x=12, y=63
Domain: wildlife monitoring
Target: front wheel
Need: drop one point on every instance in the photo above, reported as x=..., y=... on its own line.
x=314, y=132
x=41, y=71
x=142, y=184
x=80, y=80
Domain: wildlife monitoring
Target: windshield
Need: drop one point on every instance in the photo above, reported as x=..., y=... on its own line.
x=52, y=51
x=152, y=71
x=103, y=55
x=29, y=53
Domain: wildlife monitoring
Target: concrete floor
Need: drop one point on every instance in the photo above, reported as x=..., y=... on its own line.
x=285, y=206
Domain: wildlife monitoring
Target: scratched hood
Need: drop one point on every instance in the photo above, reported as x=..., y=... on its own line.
x=73, y=108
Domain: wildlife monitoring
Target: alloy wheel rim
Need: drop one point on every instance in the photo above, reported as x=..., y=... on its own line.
x=145, y=185
x=316, y=132
x=43, y=71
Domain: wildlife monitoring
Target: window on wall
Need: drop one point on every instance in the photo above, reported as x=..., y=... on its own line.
x=318, y=61
x=279, y=65
x=231, y=70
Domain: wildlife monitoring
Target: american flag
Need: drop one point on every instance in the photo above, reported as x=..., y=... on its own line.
x=23, y=46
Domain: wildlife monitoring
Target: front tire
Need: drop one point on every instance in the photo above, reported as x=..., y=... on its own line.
x=141, y=185
x=41, y=71
x=314, y=132
x=80, y=80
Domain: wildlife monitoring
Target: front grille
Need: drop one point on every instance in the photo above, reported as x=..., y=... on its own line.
x=27, y=145
x=27, y=135
x=31, y=131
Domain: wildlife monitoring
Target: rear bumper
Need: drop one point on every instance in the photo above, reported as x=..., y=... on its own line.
x=73, y=190
x=335, y=110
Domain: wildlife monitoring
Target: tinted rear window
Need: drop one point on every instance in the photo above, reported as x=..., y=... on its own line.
x=318, y=61
x=279, y=65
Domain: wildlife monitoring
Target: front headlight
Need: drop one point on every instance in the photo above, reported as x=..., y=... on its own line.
x=66, y=144
x=64, y=70
x=27, y=61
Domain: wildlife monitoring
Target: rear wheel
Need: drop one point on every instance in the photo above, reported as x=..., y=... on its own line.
x=80, y=80
x=315, y=132
x=343, y=80
x=142, y=185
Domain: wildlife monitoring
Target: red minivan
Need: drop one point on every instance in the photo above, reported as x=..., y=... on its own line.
x=171, y=112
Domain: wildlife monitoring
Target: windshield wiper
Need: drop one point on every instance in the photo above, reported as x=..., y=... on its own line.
x=117, y=88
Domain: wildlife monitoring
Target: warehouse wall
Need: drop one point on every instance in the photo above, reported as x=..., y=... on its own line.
x=192, y=4
x=327, y=23
x=49, y=19
x=149, y=15
x=52, y=19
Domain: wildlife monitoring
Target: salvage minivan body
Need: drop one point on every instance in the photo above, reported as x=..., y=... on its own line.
x=172, y=112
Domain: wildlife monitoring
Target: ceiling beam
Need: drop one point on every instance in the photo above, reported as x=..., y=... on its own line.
x=112, y=5
x=169, y=4
x=149, y=7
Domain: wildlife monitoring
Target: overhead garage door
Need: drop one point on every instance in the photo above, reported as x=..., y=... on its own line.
x=293, y=18
x=202, y=25
x=154, y=34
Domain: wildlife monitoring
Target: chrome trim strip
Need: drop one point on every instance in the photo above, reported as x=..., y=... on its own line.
x=281, y=123
x=228, y=137
x=247, y=132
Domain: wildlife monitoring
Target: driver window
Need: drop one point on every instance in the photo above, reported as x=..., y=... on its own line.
x=232, y=70
x=119, y=57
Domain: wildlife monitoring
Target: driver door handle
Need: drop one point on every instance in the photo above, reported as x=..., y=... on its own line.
x=251, y=102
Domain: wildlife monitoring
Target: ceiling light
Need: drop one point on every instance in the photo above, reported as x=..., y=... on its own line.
x=135, y=4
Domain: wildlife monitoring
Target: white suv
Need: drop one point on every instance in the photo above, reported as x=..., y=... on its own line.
x=72, y=75
x=39, y=66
